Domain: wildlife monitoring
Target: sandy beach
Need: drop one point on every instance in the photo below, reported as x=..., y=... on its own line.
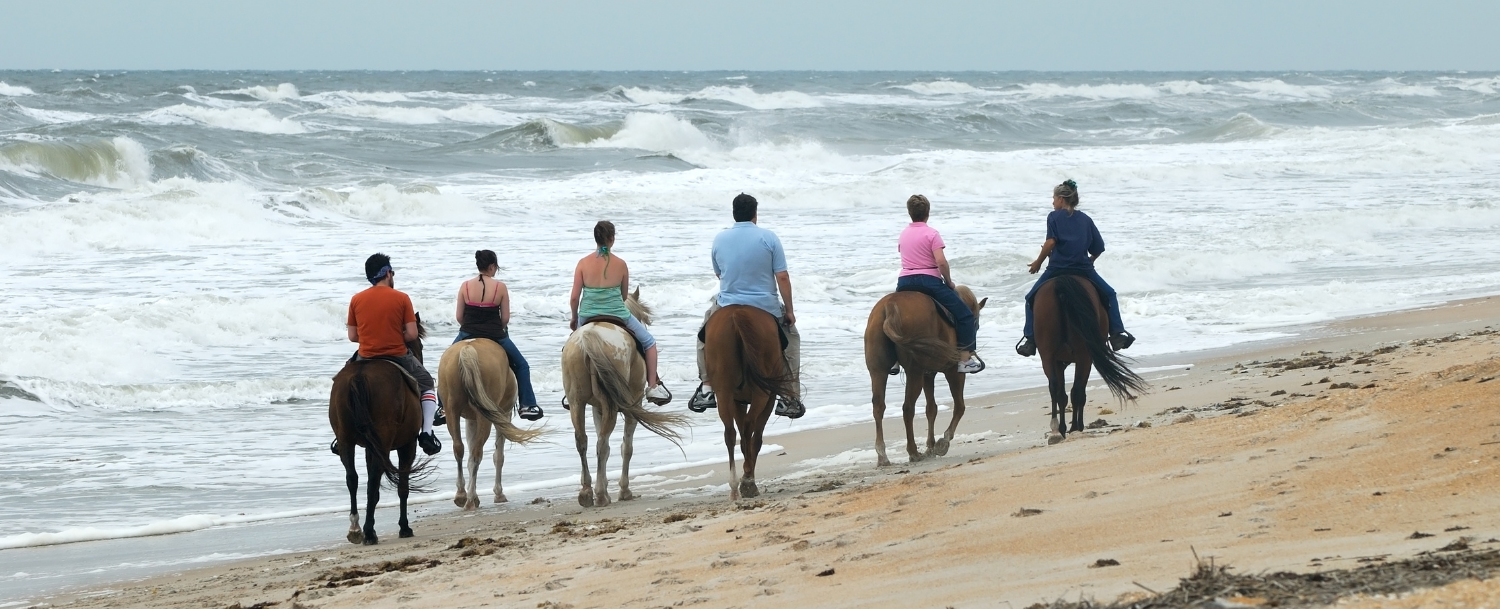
x=1363, y=441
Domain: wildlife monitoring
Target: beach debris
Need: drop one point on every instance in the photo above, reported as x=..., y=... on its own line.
x=826, y=486
x=1456, y=545
x=1104, y=562
x=1419, y=535
x=355, y=576
x=676, y=518
x=1324, y=380
x=1143, y=424
x=1225, y=514
x=1025, y=511
x=1343, y=386
x=1098, y=424
x=1104, y=411
x=1187, y=418
x=1278, y=392
x=826, y=572
x=540, y=501
x=1455, y=528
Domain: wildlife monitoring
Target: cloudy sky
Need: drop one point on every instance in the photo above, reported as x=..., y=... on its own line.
x=752, y=34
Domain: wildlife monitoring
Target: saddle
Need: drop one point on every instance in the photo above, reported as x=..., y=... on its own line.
x=615, y=321
x=780, y=333
x=943, y=312
x=411, y=381
x=1064, y=272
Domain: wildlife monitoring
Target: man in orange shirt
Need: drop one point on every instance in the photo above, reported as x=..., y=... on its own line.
x=382, y=320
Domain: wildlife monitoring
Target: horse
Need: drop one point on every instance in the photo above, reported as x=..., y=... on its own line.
x=374, y=404
x=1071, y=328
x=476, y=383
x=742, y=350
x=908, y=328
x=602, y=367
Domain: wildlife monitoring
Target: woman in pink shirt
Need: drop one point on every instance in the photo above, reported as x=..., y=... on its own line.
x=924, y=269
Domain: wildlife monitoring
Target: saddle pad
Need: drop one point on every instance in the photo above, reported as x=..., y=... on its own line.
x=780, y=333
x=411, y=381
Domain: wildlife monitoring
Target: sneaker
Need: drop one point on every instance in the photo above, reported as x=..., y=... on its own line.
x=1026, y=348
x=530, y=412
x=789, y=407
x=659, y=395
x=1121, y=341
x=895, y=369
x=429, y=443
x=438, y=418
x=703, y=399
x=971, y=365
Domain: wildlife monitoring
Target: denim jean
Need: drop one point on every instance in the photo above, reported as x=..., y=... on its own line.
x=1106, y=294
x=963, y=319
x=517, y=364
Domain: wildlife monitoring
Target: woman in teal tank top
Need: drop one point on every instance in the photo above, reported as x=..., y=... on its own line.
x=601, y=283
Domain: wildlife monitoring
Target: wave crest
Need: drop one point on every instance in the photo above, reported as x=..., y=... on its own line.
x=255, y=120
x=117, y=163
x=282, y=92
x=388, y=203
x=14, y=90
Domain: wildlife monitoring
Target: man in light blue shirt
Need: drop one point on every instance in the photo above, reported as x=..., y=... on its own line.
x=751, y=267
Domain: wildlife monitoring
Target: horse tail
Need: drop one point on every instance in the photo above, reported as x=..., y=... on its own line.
x=614, y=386
x=926, y=349
x=774, y=384
x=468, y=365
x=1080, y=312
x=364, y=427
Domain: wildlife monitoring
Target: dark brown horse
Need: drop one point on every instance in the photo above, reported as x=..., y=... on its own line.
x=906, y=327
x=742, y=350
x=374, y=405
x=1071, y=328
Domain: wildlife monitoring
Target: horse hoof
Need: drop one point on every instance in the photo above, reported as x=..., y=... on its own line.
x=1075, y=428
x=460, y=501
x=602, y=500
x=355, y=537
x=1054, y=438
x=501, y=498
x=882, y=462
x=472, y=505
x=941, y=448
x=586, y=499
x=371, y=540
x=626, y=495
x=915, y=457
x=407, y=533
x=748, y=489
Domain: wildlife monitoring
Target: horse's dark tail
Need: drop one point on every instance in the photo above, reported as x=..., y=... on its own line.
x=364, y=431
x=774, y=384
x=920, y=351
x=1078, y=312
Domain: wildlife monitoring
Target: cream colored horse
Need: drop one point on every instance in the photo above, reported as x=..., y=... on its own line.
x=601, y=368
x=476, y=383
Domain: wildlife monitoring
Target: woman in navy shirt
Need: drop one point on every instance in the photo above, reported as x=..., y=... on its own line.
x=1073, y=243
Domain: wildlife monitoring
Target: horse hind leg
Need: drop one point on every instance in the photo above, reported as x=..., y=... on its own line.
x=929, y=383
x=955, y=385
x=478, y=434
x=372, y=490
x=727, y=416
x=499, y=468
x=752, y=433
x=351, y=478
x=877, y=403
x=627, y=448
x=407, y=455
x=1080, y=396
x=909, y=414
x=1057, y=392
x=604, y=425
x=581, y=440
x=455, y=430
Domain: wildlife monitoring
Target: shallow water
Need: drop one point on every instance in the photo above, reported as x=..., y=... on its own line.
x=180, y=246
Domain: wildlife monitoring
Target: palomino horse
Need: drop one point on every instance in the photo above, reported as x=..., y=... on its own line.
x=1071, y=327
x=601, y=367
x=476, y=383
x=742, y=349
x=374, y=404
x=906, y=327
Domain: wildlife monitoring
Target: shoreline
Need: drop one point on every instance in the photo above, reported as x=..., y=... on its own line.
x=1002, y=423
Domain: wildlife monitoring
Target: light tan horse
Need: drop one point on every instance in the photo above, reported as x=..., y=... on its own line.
x=602, y=369
x=476, y=383
x=906, y=327
x=745, y=364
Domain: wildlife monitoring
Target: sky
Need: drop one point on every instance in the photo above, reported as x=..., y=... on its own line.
x=1156, y=35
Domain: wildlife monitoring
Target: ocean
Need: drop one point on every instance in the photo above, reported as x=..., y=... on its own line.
x=179, y=247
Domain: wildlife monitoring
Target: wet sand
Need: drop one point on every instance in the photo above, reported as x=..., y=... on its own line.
x=1246, y=460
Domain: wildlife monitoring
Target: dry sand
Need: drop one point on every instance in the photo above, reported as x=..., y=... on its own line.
x=1245, y=461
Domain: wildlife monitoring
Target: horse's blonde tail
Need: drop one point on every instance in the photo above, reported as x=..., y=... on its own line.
x=613, y=386
x=917, y=352
x=468, y=365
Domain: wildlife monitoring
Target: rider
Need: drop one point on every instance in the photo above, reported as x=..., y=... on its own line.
x=751, y=267
x=597, y=293
x=924, y=269
x=1073, y=244
x=488, y=316
x=382, y=321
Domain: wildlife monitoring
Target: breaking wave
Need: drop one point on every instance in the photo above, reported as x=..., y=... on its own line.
x=740, y=95
x=281, y=92
x=14, y=90
x=117, y=163
x=939, y=87
x=255, y=120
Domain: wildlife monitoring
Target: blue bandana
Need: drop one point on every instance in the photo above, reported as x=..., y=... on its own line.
x=385, y=270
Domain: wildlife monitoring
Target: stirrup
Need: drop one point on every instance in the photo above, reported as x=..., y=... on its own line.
x=334, y=446
x=790, y=407
x=976, y=359
x=702, y=401
x=565, y=403
x=1121, y=341
x=439, y=419
x=1025, y=347
x=660, y=401
x=895, y=369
